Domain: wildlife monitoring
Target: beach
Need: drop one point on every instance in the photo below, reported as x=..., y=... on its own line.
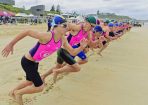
x=119, y=77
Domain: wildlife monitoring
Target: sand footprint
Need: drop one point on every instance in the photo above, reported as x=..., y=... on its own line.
x=5, y=99
x=49, y=86
x=28, y=102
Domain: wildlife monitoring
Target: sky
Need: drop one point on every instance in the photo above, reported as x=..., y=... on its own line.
x=134, y=8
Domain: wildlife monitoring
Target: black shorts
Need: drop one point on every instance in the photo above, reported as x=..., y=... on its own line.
x=119, y=32
x=31, y=70
x=111, y=34
x=104, y=42
x=64, y=56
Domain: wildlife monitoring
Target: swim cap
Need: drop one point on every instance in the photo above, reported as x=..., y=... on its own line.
x=98, y=22
x=116, y=24
x=112, y=20
x=98, y=29
x=107, y=21
x=58, y=20
x=120, y=24
x=91, y=19
x=111, y=25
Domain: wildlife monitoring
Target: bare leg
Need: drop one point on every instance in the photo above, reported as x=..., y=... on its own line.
x=80, y=62
x=86, y=50
x=104, y=47
x=67, y=68
x=50, y=71
x=99, y=53
x=20, y=86
x=19, y=99
x=27, y=90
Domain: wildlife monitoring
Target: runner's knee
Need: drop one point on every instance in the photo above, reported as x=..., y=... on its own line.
x=77, y=68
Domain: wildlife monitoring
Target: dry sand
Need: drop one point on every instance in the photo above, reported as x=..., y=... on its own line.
x=120, y=77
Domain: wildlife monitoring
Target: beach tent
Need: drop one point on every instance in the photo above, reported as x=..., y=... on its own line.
x=11, y=13
x=31, y=15
x=5, y=13
x=51, y=14
x=21, y=15
x=80, y=18
x=72, y=18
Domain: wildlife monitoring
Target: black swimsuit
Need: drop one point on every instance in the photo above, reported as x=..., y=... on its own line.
x=111, y=34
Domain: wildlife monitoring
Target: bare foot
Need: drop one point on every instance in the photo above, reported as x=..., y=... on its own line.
x=11, y=94
x=91, y=54
x=19, y=99
x=99, y=54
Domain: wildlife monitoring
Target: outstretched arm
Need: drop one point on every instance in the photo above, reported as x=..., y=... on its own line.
x=34, y=34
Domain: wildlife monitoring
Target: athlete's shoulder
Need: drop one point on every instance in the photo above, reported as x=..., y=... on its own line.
x=46, y=37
